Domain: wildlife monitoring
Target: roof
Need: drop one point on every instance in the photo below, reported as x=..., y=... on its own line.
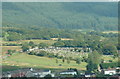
x=109, y=69
x=68, y=71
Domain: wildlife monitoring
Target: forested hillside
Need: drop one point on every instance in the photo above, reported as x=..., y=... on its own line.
x=95, y=16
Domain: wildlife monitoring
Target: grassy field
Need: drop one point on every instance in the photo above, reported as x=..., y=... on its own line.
x=22, y=60
x=36, y=41
x=107, y=58
x=25, y=60
x=18, y=48
x=6, y=48
x=111, y=31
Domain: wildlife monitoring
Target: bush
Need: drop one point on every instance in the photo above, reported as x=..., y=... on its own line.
x=110, y=60
x=11, y=44
x=78, y=60
x=42, y=53
x=51, y=55
x=32, y=53
x=48, y=76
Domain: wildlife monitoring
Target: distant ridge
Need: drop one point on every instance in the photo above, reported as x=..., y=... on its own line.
x=70, y=15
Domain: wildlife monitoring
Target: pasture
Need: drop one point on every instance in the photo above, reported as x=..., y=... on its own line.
x=25, y=60
x=36, y=41
x=108, y=57
x=111, y=32
x=6, y=48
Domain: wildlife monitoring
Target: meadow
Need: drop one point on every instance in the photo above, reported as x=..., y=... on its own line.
x=18, y=48
x=25, y=60
x=36, y=41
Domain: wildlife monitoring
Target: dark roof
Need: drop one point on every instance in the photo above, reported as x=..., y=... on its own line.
x=68, y=71
x=46, y=70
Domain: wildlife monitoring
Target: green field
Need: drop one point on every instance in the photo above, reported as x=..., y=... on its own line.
x=18, y=48
x=6, y=48
x=25, y=60
x=36, y=41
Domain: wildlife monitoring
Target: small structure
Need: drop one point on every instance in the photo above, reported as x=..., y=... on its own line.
x=68, y=72
x=90, y=75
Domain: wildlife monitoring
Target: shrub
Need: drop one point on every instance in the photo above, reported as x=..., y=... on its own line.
x=32, y=53
x=42, y=53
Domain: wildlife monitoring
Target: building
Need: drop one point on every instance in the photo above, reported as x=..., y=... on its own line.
x=39, y=73
x=68, y=72
x=27, y=73
x=89, y=75
x=109, y=71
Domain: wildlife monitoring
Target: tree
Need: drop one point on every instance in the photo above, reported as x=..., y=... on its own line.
x=63, y=60
x=42, y=53
x=93, y=61
x=25, y=47
x=56, y=60
x=13, y=36
x=68, y=60
x=59, y=39
x=95, y=57
x=32, y=53
x=78, y=60
x=91, y=67
x=31, y=43
x=10, y=52
x=58, y=44
x=110, y=49
x=43, y=45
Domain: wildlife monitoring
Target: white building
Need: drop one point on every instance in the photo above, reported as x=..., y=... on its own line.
x=68, y=72
x=109, y=71
x=33, y=73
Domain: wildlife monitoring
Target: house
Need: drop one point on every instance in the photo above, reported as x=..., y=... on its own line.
x=46, y=72
x=15, y=73
x=38, y=73
x=68, y=72
x=90, y=75
x=118, y=70
x=30, y=74
x=109, y=71
x=6, y=74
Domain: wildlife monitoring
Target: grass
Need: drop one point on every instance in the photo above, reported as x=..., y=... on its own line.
x=6, y=48
x=111, y=31
x=25, y=60
x=22, y=60
x=107, y=58
x=9, y=68
x=18, y=48
x=36, y=41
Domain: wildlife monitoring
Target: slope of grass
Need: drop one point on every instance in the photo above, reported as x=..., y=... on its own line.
x=24, y=60
x=36, y=41
x=107, y=58
x=6, y=48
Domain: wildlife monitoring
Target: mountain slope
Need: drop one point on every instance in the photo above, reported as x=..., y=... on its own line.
x=97, y=16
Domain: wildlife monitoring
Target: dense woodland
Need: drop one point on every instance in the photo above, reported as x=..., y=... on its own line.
x=80, y=15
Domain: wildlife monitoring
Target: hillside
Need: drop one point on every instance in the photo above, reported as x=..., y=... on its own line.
x=97, y=16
